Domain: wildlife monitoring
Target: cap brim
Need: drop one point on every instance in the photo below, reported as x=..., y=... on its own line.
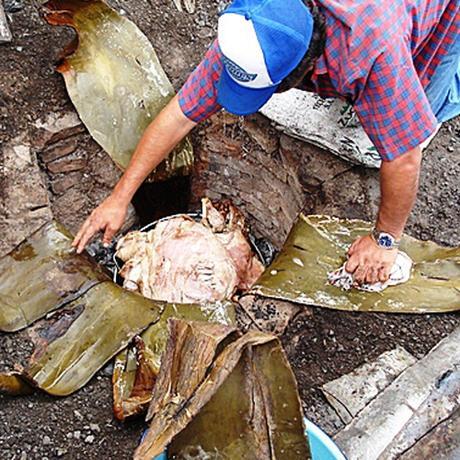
x=239, y=100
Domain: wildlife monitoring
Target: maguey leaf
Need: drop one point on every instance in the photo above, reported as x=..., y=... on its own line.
x=42, y=274
x=259, y=407
x=137, y=367
x=317, y=245
x=76, y=341
x=243, y=383
x=115, y=81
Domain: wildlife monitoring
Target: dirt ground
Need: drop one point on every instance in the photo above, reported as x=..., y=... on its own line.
x=321, y=344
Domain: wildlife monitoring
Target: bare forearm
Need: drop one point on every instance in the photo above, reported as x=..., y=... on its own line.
x=158, y=140
x=398, y=185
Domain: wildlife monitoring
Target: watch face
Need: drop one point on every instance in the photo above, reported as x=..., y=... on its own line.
x=385, y=240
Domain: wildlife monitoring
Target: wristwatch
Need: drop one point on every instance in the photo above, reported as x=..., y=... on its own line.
x=385, y=240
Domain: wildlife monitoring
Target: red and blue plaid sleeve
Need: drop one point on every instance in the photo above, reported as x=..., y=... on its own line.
x=392, y=106
x=198, y=96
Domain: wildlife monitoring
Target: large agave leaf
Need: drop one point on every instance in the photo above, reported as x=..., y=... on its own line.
x=137, y=367
x=242, y=383
x=115, y=80
x=41, y=274
x=318, y=244
x=72, y=345
x=259, y=407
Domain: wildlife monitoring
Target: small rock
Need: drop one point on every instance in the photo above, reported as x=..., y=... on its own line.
x=77, y=434
x=108, y=370
x=69, y=435
x=78, y=415
x=46, y=440
x=89, y=439
x=13, y=6
x=23, y=456
x=94, y=427
x=60, y=452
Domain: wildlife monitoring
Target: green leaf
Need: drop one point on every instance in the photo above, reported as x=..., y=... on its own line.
x=317, y=245
x=72, y=345
x=136, y=368
x=115, y=81
x=42, y=274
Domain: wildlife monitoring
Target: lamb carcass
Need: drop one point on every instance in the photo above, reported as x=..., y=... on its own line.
x=185, y=261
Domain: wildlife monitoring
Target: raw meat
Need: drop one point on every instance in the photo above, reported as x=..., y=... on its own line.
x=185, y=261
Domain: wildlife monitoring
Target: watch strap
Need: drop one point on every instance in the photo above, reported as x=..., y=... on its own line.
x=380, y=236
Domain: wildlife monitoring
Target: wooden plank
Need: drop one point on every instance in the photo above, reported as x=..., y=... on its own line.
x=350, y=394
x=442, y=442
x=443, y=401
x=424, y=394
x=5, y=33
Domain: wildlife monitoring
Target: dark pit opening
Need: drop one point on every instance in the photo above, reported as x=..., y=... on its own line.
x=155, y=200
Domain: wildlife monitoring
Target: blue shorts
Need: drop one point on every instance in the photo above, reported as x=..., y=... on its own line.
x=443, y=91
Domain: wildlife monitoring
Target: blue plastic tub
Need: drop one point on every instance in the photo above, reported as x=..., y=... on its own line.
x=322, y=447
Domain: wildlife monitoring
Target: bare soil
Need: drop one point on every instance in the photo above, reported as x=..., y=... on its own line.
x=321, y=344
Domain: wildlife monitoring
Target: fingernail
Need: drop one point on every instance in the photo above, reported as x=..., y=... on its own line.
x=106, y=245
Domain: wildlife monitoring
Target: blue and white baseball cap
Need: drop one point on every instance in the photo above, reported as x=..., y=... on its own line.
x=262, y=42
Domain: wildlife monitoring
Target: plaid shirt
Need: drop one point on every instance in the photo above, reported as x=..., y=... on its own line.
x=379, y=56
